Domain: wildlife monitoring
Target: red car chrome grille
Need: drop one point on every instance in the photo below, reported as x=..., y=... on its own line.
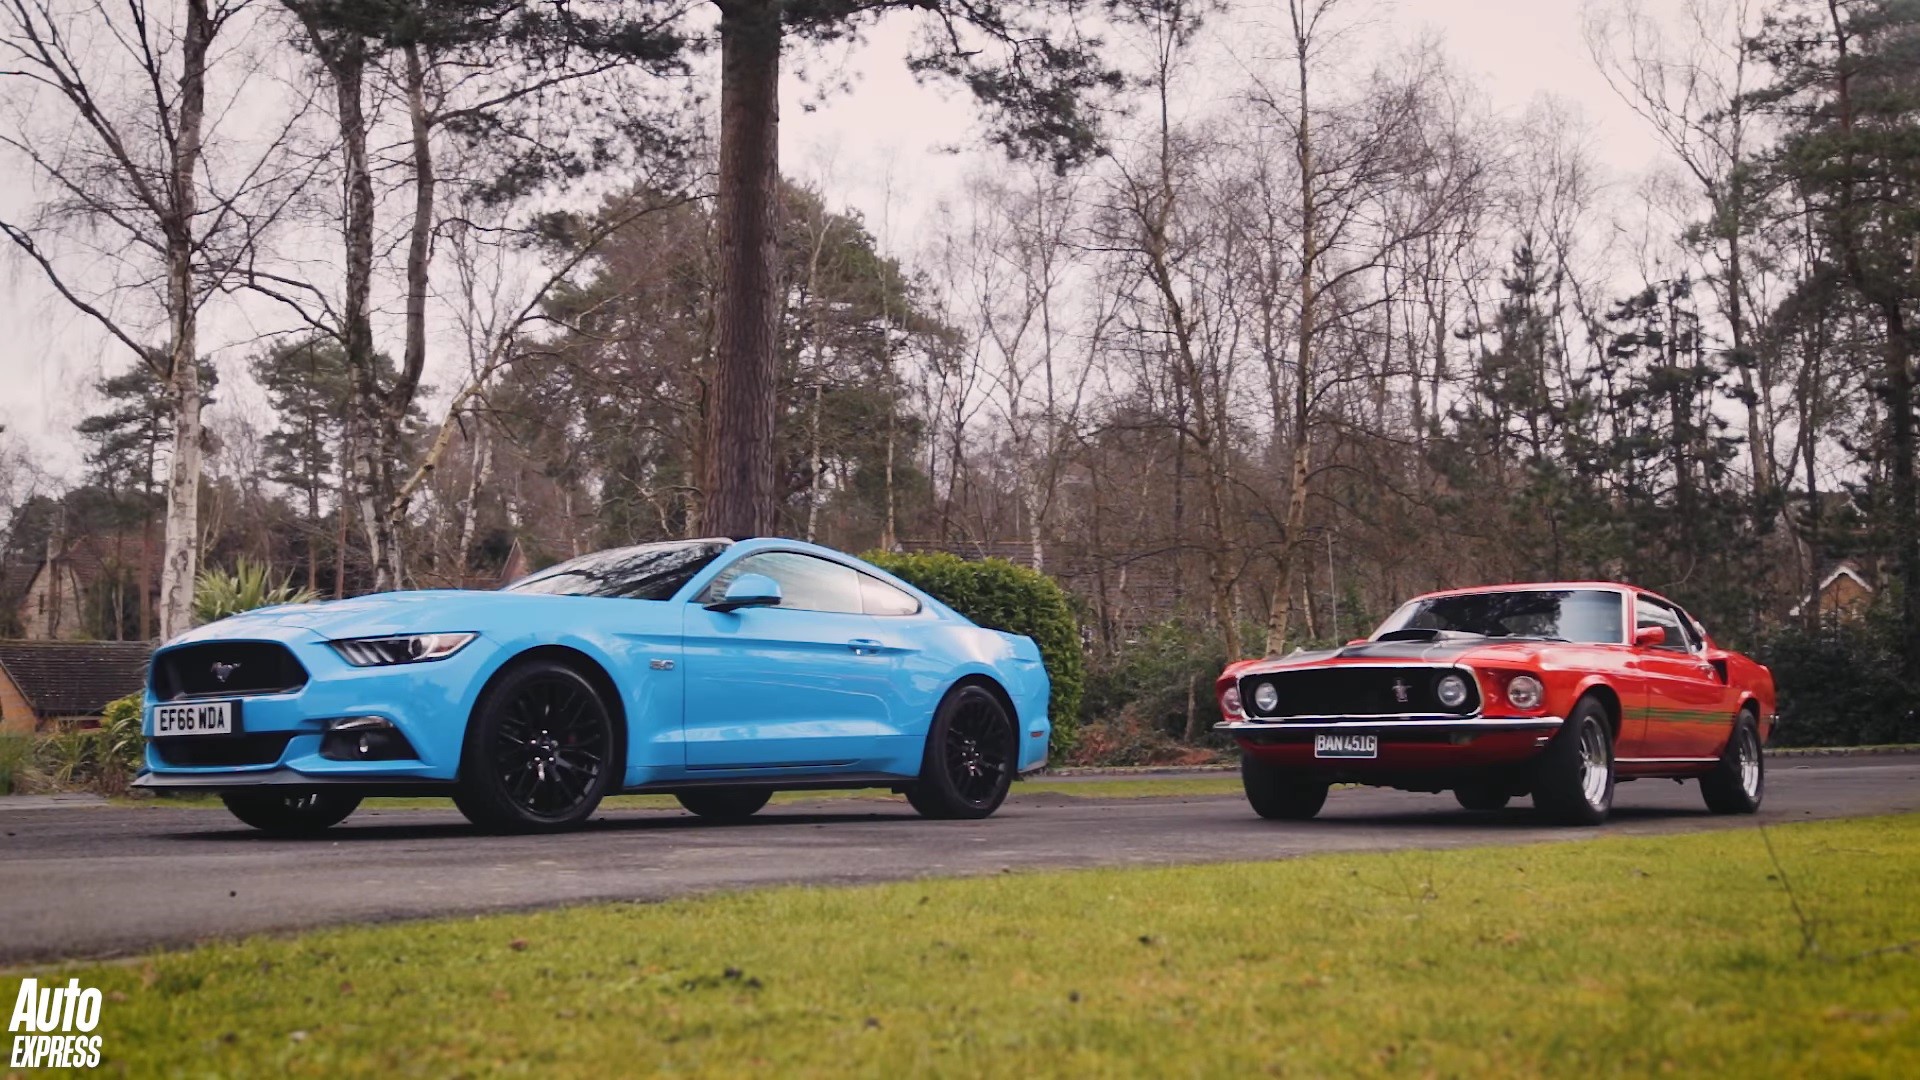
x=1357, y=690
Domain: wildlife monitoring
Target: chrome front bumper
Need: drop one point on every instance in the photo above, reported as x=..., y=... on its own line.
x=1392, y=723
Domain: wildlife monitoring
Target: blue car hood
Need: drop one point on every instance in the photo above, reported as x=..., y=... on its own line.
x=424, y=611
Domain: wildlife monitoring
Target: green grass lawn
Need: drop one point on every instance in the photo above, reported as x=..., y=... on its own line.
x=1614, y=956
x=1226, y=784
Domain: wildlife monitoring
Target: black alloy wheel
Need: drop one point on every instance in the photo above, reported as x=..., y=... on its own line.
x=969, y=762
x=539, y=752
x=304, y=814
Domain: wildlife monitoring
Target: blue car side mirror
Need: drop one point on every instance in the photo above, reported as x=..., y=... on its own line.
x=748, y=590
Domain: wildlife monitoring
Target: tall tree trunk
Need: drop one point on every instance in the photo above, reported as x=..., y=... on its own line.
x=341, y=505
x=888, y=540
x=1898, y=359
x=313, y=529
x=1906, y=500
x=181, y=556
x=815, y=463
x=392, y=498
x=345, y=62
x=1296, y=522
x=482, y=464
x=1281, y=615
x=1759, y=434
x=146, y=545
x=739, y=474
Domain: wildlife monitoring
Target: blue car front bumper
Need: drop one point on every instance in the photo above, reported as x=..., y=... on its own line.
x=280, y=733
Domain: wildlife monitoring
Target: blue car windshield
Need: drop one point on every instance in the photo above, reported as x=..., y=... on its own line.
x=647, y=572
x=1585, y=615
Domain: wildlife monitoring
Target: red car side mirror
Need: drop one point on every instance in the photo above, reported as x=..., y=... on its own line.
x=1650, y=637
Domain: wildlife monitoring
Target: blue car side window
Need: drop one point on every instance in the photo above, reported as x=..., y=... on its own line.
x=880, y=598
x=806, y=583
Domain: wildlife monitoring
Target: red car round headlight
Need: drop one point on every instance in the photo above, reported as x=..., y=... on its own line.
x=1525, y=692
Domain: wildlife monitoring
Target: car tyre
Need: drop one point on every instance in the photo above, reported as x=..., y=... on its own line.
x=1738, y=780
x=539, y=752
x=1278, y=795
x=1574, y=777
x=308, y=814
x=1482, y=797
x=724, y=804
x=969, y=761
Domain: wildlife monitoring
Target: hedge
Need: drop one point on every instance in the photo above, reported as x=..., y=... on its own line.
x=1840, y=683
x=1003, y=596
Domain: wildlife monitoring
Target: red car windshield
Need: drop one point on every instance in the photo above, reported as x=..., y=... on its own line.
x=1584, y=615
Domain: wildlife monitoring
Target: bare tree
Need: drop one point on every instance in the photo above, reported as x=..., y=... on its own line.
x=502, y=309
x=544, y=95
x=1686, y=75
x=1024, y=286
x=1182, y=254
x=109, y=109
x=1350, y=158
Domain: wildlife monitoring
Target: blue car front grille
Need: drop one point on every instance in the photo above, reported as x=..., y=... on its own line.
x=226, y=669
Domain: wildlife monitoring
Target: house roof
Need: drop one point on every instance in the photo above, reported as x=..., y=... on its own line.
x=92, y=554
x=1843, y=570
x=74, y=678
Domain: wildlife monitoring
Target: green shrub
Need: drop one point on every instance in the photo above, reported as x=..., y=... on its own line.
x=1840, y=685
x=1002, y=596
x=220, y=593
x=123, y=748
x=100, y=759
x=16, y=763
x=1148, y=678
x=68, y=757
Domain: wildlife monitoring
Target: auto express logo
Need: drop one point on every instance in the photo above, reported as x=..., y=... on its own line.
x=50, y=1026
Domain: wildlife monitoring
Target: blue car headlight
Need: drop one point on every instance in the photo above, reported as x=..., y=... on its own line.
x=401, y=649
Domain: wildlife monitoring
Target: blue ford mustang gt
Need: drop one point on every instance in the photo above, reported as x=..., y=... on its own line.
x=713, y=670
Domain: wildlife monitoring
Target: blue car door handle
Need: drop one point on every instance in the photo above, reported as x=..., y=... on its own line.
x=864, y=646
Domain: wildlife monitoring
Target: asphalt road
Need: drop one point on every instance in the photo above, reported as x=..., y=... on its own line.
x=101, y=881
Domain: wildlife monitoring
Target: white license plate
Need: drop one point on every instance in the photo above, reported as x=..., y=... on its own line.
x=199, y=718
x=1346, y=746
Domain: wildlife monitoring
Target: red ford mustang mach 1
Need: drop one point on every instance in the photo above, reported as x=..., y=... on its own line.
x=1554, y=690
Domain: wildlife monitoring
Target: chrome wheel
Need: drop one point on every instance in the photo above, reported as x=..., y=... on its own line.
x=1572, y=779
x=1748, y=747
x=1738, y=780
x=1595, y=770
x=550, y=748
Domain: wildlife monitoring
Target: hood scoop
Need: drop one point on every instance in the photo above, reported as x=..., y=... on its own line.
x=1411, y=645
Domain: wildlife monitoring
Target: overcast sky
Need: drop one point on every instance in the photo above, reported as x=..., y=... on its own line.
x=886, y=134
